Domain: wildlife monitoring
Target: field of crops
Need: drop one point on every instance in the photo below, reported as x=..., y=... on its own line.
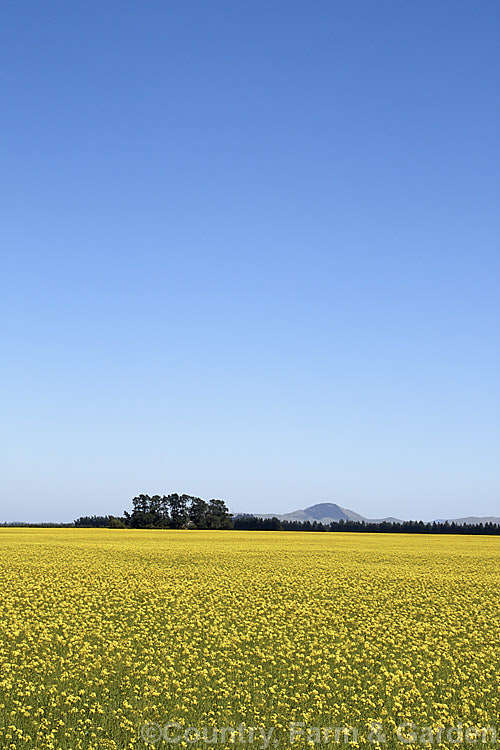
x=106, y=636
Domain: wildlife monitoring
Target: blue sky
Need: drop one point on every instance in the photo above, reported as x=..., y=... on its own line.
x=250, y=251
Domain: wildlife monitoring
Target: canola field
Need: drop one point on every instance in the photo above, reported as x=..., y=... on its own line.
x=126, y=639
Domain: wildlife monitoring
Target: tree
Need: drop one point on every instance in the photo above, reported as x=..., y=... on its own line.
x=141, y=516
x=164, y=512
x=179, y=516
x=199, y=513
x=218, y=515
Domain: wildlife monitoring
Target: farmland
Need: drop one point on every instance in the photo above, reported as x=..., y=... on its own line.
x=105, y=631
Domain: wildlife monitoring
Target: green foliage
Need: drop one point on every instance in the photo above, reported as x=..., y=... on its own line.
x=254, y=523
x=116, y=523
x=176, y=511
x=93, y=522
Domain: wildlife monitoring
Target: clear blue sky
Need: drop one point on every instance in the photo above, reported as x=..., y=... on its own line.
x=250, y=251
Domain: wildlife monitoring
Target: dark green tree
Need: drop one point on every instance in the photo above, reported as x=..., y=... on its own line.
x=179, y=515
x=218, y=515
x=198, y=513
x=141, y=516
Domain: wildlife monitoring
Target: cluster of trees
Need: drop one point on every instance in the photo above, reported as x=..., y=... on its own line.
x=253, y=523
x=165, y=512
x=177, y=512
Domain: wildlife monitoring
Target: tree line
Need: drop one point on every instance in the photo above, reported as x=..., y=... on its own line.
x=172, y=511
x=255, y=523
x=176, y=511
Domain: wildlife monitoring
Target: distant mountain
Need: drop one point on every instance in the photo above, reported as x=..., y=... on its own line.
x=324, y=512
x=321, y=512
x=328, y=512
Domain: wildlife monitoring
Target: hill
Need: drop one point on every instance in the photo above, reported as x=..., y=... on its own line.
x=328, y=512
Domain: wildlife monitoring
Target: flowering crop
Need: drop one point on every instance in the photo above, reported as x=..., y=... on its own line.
x=103, y=630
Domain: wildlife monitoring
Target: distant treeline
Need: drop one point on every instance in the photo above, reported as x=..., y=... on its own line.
x=99, y=522
x=176, y=511
x=26, y=525
x=254, y=523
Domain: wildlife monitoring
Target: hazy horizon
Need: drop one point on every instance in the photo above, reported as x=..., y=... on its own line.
x=372, y=513
x=250, y=252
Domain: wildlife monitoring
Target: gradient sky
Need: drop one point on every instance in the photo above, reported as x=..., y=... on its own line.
x=250, y=251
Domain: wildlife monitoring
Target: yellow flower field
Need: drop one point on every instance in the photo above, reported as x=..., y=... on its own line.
x=106, y=636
